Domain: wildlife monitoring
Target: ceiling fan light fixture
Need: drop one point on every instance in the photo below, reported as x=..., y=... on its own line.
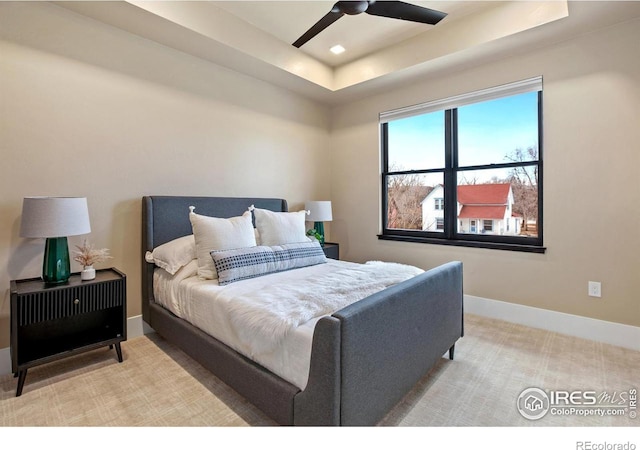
x=392, y=9
x=337, y=49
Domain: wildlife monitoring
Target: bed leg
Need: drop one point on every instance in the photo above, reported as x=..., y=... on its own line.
x=451, y=350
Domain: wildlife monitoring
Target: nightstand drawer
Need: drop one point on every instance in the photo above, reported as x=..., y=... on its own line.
x=54, y=304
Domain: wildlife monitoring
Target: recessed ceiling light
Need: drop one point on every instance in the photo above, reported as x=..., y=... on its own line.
x=337, y=49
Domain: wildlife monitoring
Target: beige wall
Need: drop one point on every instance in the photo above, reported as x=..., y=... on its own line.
x=88, y=110
x=591, y=173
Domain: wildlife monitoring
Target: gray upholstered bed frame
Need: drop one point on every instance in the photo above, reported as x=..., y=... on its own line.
x=364, y=358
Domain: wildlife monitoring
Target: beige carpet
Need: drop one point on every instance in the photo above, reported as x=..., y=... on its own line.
x=158, y=385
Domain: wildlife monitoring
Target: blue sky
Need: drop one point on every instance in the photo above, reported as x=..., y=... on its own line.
x=487, y=132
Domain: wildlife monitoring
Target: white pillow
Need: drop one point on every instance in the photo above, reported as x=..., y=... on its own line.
x=166, y=286
x=173, y=255
x=278, y=228
x=215, y=233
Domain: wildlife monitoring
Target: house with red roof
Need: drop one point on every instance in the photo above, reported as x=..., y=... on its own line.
x=482, y=209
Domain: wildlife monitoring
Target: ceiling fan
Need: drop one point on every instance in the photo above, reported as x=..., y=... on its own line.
x=392, y=9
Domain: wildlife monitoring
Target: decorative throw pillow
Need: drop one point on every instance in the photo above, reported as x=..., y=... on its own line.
x=278, y=228
x=244, y=263
x=174, y=254
x=215, y=233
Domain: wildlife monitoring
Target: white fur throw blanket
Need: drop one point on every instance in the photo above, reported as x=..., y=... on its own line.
x=265, y=318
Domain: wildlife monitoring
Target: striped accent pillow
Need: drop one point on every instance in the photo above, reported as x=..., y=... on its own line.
x=250, y=262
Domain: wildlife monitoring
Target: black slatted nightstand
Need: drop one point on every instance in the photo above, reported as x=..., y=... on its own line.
x=331, y=250
x=52, y=322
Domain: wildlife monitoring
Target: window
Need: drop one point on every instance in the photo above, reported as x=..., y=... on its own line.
x=466, y=170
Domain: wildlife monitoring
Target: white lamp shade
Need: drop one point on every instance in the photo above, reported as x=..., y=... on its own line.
x=45, y=217
x=319, y=211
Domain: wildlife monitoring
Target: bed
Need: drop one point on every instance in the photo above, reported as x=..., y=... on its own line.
x=363, y=358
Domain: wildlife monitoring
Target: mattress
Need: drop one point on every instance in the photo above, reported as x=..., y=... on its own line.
x=205, y=304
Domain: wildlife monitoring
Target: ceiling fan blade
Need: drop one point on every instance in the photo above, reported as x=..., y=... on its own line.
x=320, y=25
x=405, y=11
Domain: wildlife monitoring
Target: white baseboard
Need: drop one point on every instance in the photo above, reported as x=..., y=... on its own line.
x=5, y=361
x=617, y=334
x=135, y=327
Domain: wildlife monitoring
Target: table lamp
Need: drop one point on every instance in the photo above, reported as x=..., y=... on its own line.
x=55, y=218
x=319, y=212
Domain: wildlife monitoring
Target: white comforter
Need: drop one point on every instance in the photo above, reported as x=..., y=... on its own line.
x=270, y=319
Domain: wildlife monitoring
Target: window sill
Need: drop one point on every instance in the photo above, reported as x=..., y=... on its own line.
x=465, y=243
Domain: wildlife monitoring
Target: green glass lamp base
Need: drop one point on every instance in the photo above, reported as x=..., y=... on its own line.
x=319, y=227
x=56, y=266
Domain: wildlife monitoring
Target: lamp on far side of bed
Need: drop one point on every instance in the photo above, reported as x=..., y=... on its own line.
x=319, y=212
x=55, y=218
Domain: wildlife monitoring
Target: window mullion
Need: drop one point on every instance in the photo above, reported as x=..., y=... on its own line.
x=539, y=221
x=451, y=162
x=384, y=137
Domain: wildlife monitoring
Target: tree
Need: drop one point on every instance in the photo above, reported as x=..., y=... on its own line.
x=405, y=193
x=524, y=184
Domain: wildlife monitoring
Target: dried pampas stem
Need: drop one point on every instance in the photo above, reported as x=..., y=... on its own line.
x=88, y=256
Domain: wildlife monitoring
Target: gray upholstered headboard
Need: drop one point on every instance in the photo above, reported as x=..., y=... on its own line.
x=165, y=218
